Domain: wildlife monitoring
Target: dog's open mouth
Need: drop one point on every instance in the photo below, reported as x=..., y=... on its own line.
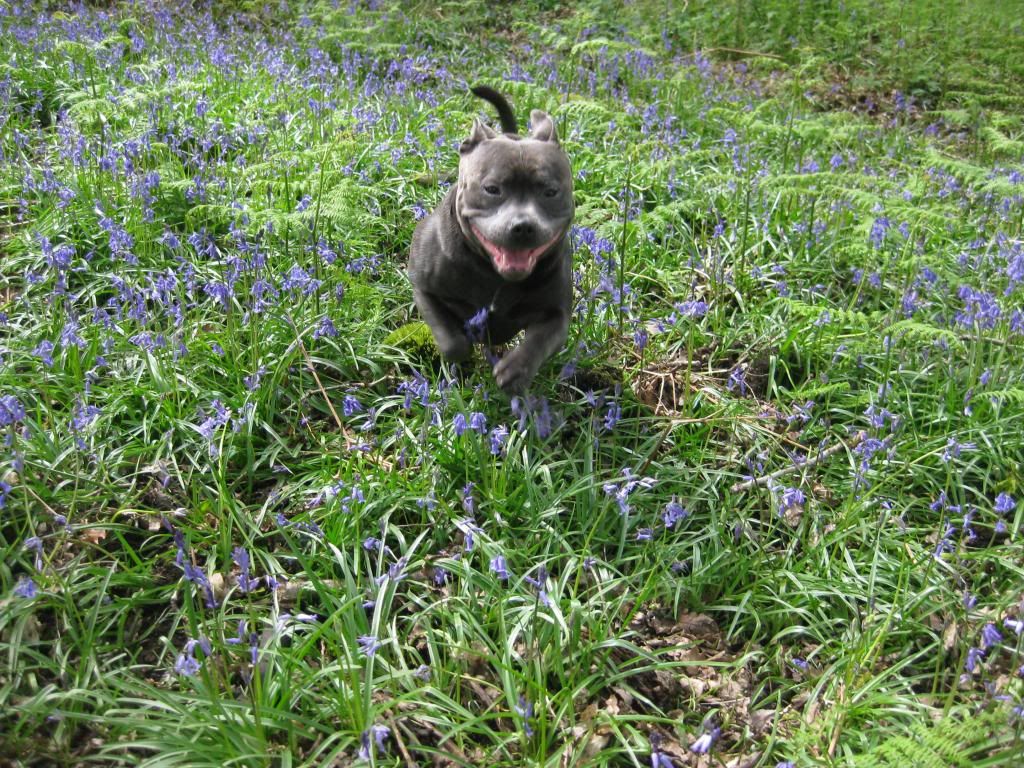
x=512, y=262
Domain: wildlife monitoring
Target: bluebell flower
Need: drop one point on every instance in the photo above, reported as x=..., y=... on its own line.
x=990, y=635
x=35, y=545
x=879, y=228
x=612, y=416
x=198, y=577
x=186, y=663
x=525, y=710
x=673, y=513
x=622, y=491
x=954, y=448
x=44, y=351
x=252, y=382
x=499, y=436
x=26, y=588
x=539, y=582
x=369, y=644
x=372, y=740
x=500, y=567
x=476, y=326
x=658, y=758
x=1005, y=503
x=640, y=339
x=350, y=405
x=1014, y=625
x=706, y=741
x=478, y=422
x=645, y=534
x=325, y=328
x=974, y=658
x=11, y=410
x=792, y=498
x=459, y=424
x=245, y=581
x=737, y=381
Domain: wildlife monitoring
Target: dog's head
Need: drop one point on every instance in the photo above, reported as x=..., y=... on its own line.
x=514, y=198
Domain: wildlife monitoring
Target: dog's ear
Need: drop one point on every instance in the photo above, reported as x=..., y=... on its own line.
x=543, y=127
x=479, y=134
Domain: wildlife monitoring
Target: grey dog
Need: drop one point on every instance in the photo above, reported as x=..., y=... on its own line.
x=499, y=242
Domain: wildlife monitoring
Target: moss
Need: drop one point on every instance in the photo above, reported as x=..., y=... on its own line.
x=415, y=339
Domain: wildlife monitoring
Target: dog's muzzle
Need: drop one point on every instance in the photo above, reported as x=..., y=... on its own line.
x=513, y=263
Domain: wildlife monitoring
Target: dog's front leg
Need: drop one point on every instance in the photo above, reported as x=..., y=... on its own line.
x=447, y=329
x=516, y=370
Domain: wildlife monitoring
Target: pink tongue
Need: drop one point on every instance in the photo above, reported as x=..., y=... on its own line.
x=514, y=261
x=510, y=261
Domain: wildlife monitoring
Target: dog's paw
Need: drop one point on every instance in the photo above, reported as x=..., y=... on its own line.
x=454, y=349
x=515, y=371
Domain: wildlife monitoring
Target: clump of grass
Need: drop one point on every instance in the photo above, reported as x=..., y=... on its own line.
x=764, y=504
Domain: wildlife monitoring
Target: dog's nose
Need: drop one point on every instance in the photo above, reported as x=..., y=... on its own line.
x=524, y=229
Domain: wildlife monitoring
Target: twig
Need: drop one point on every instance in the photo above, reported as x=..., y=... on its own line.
x=753, y=482
x=396, y=734
x=316, y=378
x=743, y=52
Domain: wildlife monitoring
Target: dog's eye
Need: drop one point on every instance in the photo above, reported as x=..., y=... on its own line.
x=551, y=192
x=492, y=189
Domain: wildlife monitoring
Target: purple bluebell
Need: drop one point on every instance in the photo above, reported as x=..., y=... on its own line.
x=1005, y=503
x=368, y=645
x=539, y=582
x=371, y=741
x=658, y=758
x=790, y=499
x=476, y=326
x=35, y=545
x=478, y=422
x=623, y=490
x=26, y=588
x=525, y=710
x=1014, y=625
x=350, y=405
x=953, y=449
x=612, y=416
x=990, y=635
x=673, y=513
x=245, y=581
x=499, y=437
x=198, y=577
x=737, y=381
x=186, y=663
x=11, y=410
x=706, y=741
x=500, y=567
x=44, y=351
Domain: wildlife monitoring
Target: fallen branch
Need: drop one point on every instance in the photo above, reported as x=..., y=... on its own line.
x=753, y=482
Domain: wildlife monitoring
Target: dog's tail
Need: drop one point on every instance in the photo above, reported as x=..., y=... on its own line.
x=505, y=113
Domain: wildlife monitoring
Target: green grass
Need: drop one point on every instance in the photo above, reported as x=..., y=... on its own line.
x=768, y=490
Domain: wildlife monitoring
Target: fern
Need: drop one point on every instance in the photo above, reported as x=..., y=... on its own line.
x=1013, y=395
x=914, y=330
x=968, y=172
x=950, y=742
x=1002, y=144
